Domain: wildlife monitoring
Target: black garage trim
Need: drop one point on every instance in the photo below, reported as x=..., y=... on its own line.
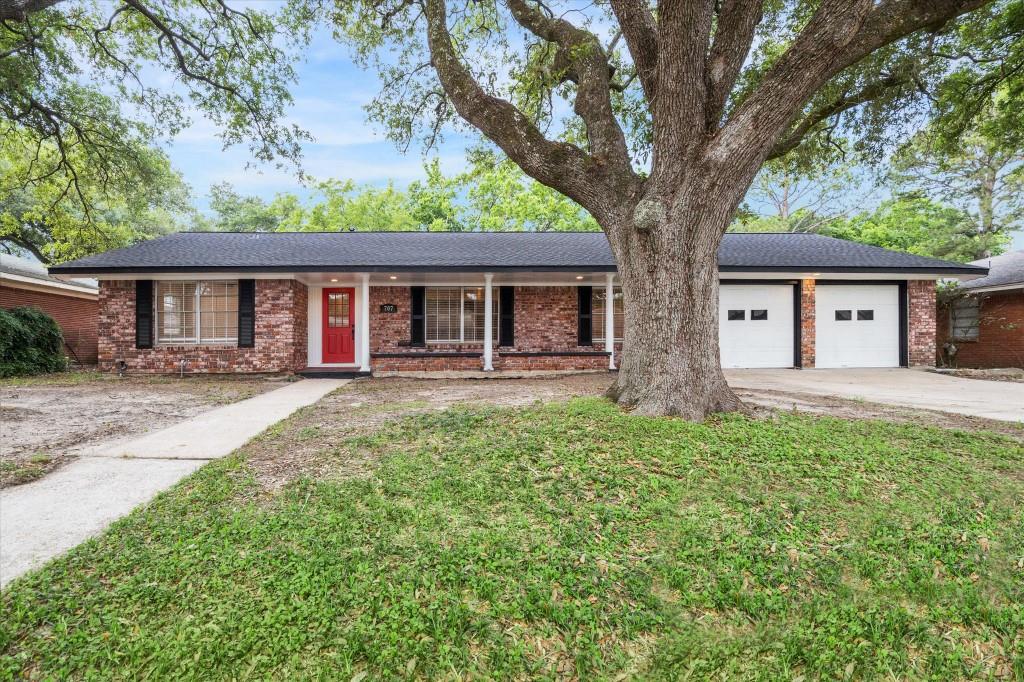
x=904, y=325
x=798, y=327
x=554, y=354
x=444, y=354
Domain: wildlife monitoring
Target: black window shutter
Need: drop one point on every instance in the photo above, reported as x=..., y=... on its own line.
x=507, y=316
x=246, y=313
x=143, y=313
x=418, y=318
x=586, y=316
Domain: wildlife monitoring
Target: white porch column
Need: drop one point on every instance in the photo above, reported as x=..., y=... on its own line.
x=488, y=326
x=364, y=324
x=609, y=319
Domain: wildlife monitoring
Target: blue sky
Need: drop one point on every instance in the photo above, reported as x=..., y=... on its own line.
x=329, y=99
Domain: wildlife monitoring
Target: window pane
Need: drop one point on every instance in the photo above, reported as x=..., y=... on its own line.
x=442, y=309
x=597, y=307
x=844, y=315
x=338, y=309
x=758, y=314
x=175, y=312
x=865, y=314
x=218, y=311
x=735, y=315
x=473, y=314
x=964, y=318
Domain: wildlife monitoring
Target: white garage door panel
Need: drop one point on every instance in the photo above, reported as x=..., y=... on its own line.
x=756, y=343
x=857, y=342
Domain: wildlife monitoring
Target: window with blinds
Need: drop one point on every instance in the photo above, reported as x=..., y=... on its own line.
x=196, y=312
x=598, y=299
x=456, y=314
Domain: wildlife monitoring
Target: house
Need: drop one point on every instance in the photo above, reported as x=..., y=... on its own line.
x=72, y=303
x=983, y=326
x=394, y=302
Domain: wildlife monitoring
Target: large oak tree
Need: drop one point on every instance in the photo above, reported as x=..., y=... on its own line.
x=655, y=119
x=674, y=109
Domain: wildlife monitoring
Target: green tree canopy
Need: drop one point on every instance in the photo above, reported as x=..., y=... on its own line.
x=81, y=91
x=494, y=195
x=919, y=225
x=45, y=219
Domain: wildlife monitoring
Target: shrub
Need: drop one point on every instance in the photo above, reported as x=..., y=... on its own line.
x=30, y=343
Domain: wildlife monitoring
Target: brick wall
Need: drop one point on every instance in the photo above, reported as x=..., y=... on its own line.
x=807, y=323
x=280, y=335
x=77, y=318
x=1000, y=341
x=921, y=316
x=545, y=322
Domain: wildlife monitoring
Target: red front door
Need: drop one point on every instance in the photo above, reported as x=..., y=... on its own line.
x=339, y=331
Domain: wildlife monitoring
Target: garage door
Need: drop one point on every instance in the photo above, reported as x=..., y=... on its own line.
x=755, y=325
x=857, y=325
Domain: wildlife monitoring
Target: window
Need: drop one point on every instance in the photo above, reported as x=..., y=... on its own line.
x=758, y=314
x=844, y=315
x=963, y=319
x=865, y=314
x=196, y=312
x=456, y=314
x=597, y=307
x=735, y=315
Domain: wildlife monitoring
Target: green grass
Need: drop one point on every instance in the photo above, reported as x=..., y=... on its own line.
x=560, y=541
x=23, y=471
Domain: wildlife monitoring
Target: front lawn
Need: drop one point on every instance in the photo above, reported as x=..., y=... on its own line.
x=563, y=541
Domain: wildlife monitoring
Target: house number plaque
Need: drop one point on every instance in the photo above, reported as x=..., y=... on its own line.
x=388, y=308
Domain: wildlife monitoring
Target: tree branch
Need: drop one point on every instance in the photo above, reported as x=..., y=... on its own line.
x=18, y=10
x=845, y=102
x=734, y=34
x=557, y=164
x=641, y=33
x=841, y=33
x=588, y=66
x=678, y=113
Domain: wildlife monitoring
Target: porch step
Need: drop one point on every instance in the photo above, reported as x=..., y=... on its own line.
x=330, y=373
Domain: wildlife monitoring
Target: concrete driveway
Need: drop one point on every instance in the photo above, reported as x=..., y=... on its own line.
x=42, y=519
x=1002, y=400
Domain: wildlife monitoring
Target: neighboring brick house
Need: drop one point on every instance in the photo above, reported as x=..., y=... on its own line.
x=73, y=304
x=399, y=302
x=983, y=325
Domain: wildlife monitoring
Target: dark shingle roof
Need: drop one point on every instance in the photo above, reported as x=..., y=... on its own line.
x=1004, y=270
x=477, y=251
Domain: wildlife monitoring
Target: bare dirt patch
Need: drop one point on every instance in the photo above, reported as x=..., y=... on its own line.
x=49, y=420
x=308, y=442
x=1012, y=374
x=311, y=441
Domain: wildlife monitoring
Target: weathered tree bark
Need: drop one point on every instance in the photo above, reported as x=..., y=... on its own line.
x=670, y=359
x=667, y=254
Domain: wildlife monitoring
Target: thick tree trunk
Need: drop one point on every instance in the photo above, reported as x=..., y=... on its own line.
x=670, y=363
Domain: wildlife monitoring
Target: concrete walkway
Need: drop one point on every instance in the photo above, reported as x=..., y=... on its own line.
x=41, y=520
x=1002, y=400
